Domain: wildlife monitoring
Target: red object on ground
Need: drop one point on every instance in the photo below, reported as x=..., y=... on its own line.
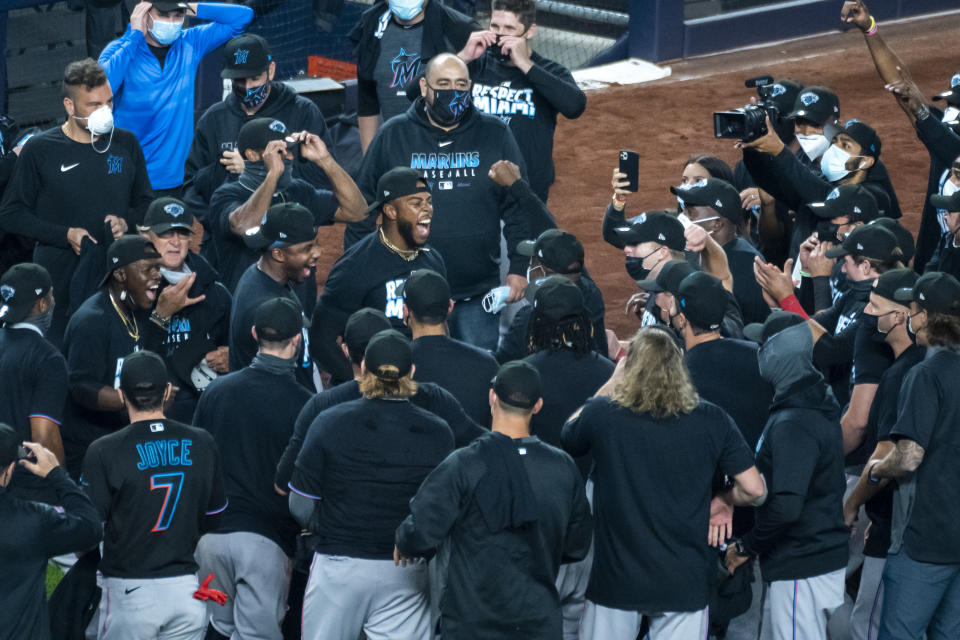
x=320, y=67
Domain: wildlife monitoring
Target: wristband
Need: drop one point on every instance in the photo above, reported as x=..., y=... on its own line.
x=791, y=304
x=619, y=198
x=870, y=477
x=160, y=320
x=873, y=27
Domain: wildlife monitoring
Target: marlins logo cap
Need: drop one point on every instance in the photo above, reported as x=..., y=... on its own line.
x=817, y=104
x=557, y=250
x=717, y=194
x=934, y=291
x=283, y=224
x=399, y=182
x=20, y=288
x=165, y=214
x=245, y=56
x=851, y=200
x=952, y=96
x=517, y=384
x=658, y=227
x=259, y=132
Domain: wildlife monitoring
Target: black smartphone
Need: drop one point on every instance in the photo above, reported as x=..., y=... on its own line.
x=630, y=165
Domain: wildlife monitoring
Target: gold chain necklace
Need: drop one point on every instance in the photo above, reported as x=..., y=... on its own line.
x=407, y=254
x=135, y=333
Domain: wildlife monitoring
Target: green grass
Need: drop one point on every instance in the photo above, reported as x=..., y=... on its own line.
x=54, y=576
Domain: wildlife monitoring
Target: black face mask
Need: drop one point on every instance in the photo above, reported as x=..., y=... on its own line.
x=497, y=52
x=827, y=231
x=449, y=106
x=635, y=268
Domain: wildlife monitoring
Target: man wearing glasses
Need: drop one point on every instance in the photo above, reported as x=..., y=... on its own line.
x=454, y=147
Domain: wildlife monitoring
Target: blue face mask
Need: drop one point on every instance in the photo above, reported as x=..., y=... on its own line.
x=166, y=32
x=406, y=9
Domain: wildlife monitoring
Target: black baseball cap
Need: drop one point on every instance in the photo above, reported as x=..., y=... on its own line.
x=20, y=288
x=784, y=93
x=426, y=293
x=817, y=104
x=398, y=183
x=865, y=136
x=388, y=355
x=362, y=325
x=869, y=241
x=142, y=370
x=127, y=250
x=166, y=5
x=669, y=279
x=165, y=214
x=284, y=224
x=946, y=203
x=719, y=195
x=889, y=282
x=777, y=321
x=555, y=298
x=851, y=200
x=934, y=291
x=952, y=95
x=10, y=443
x=904, y=237
x=658, y=227
x=259, y=132
x=703, y=300
x=245, y=56
x=277, y=319
x=517, y=384
x=557, y=250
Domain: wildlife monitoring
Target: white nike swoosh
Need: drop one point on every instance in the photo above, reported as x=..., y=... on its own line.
x=443, y=144
x=64, y=168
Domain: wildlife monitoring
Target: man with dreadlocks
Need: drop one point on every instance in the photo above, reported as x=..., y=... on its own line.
x=561, y=346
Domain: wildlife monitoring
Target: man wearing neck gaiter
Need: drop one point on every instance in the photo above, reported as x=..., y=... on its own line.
x=269, y=152
x=251, y=415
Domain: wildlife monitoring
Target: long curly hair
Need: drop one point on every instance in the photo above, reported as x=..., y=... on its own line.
x=656, y=380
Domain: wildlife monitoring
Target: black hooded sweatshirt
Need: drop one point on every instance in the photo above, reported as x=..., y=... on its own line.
x=799, y=531
x=468, y=205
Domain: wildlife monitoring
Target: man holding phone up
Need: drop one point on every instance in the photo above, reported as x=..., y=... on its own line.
x=521, y=87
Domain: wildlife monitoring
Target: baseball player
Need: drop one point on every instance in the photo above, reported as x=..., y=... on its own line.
x=157, y=486
x=251, y=415
x=360, y=465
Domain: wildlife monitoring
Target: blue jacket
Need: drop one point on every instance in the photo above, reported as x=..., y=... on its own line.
x=155, y=103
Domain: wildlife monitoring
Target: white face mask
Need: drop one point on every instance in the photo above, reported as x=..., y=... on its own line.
x=833, y=164
x=100, y=122
x=950, y=114
x=406, y=9
x=949, y=188
x=173, y=277
x=814, y=145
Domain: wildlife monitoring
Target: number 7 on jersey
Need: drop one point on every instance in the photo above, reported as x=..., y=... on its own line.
x=172, y=483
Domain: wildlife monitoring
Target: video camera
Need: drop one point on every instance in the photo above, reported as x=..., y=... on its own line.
x=749, y=122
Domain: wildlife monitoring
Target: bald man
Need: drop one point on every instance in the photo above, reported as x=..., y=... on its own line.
x=453, y=146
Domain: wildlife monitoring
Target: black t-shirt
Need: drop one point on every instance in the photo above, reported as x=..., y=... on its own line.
x=233, y=255
x=872, y=356
x=928, y=414
x=567, y=380
x=367, y=275
x=799, y=530
x=153, y=482
x=749, y=295
x=33, y=383
x=651, y=501
x=500, y=584
x=430, y=397
x=462, y=369
x=362, y=461
x=529, y=103
x=725, y=372
x=250, y=414
x=833, y=352
x=254, y=288
x=883, y=415
x=95, y=344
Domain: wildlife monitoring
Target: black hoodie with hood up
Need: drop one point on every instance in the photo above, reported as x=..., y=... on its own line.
x=799, y=531
x=468, y=204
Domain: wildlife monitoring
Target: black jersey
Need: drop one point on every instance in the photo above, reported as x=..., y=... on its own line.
x=155, y=483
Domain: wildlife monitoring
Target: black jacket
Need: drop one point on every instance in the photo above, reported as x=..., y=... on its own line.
x=217, y=131
x=30, y=533
x=444, y=30
x=943, y=145
x=468, y=204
